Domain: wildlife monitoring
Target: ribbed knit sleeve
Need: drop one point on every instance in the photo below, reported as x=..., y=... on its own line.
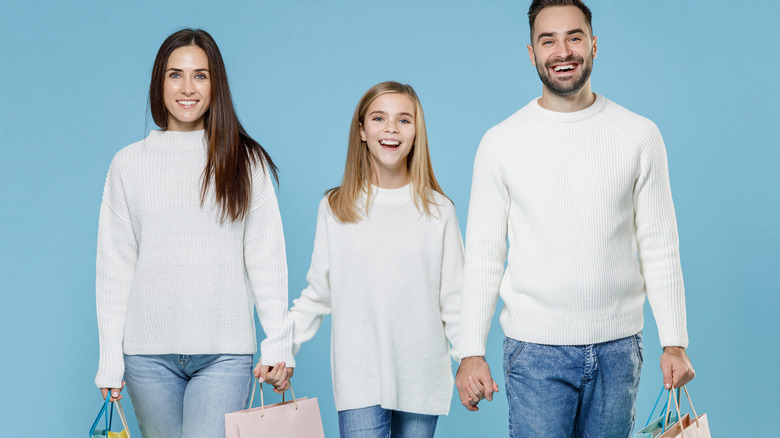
x=451, y=278
x=658, y=243
x=314, y=303
x=117, y=253
x=486, y=233
x=266, y=267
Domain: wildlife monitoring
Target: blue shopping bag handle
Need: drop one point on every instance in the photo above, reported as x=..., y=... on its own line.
x=664, y=410
x=652, y=411
x=109, y=417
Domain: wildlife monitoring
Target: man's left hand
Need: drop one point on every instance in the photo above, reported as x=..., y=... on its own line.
x=676, y=367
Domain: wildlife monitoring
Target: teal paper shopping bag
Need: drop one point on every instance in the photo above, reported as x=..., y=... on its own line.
x=655, y=427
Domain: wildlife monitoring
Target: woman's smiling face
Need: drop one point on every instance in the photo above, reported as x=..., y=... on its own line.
x=187, y=88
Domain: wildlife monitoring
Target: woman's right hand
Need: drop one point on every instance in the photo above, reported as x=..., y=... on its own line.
x=116, y=393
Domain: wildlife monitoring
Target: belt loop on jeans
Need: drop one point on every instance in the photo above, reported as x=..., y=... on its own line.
x=591, y=361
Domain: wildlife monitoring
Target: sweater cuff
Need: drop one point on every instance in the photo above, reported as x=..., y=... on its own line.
x=674, y=337
x=272, y=354
x=110, y=376
x=469, y=352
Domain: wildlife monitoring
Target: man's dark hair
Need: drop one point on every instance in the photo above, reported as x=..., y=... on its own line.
x=538, y=5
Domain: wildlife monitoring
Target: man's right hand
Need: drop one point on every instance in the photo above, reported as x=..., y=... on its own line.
x=474, y=382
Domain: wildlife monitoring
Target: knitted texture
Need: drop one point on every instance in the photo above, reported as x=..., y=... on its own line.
x=173, y=279
x=392, y=284
x=584, y=199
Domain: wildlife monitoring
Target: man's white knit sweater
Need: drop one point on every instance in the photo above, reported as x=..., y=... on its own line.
x=584, y=198
x=392, y=282
x=172, y=279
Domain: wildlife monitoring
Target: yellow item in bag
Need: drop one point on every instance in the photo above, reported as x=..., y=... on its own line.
x=106, y=433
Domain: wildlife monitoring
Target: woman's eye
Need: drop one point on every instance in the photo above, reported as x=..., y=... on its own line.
x=200, y=76
x=174, y=75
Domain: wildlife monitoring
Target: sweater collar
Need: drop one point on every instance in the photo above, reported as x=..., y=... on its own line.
x=576, y=116
x=400, y=195
x=178, y=139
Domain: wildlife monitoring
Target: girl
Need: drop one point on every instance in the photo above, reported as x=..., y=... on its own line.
x=189, y=237
x=387, y=264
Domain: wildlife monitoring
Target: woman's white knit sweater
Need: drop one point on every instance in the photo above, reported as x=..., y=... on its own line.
x=173, y=279
x=584, y=199
x=392, y=283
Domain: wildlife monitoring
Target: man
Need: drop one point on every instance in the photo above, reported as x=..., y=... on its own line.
x=580, y=186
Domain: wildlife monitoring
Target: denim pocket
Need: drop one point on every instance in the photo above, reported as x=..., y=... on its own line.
x=512, y=349
x=640, y=349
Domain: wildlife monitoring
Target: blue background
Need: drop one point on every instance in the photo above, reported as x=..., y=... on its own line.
x=74, y=91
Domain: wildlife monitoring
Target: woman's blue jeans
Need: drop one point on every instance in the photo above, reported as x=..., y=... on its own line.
x=187, y=395
x=377, y=422
x=572, y=390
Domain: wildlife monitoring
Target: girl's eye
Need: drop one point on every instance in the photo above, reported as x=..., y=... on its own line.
x=378, y=119
x=405, y=121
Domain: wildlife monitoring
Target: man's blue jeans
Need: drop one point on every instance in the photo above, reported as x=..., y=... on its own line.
x=377, y=422
x=572, y=390
x=187, y=395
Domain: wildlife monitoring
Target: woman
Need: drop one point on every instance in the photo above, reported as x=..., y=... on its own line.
x=189, y=237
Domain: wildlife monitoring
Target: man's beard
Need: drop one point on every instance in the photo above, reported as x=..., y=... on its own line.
x=571, y=86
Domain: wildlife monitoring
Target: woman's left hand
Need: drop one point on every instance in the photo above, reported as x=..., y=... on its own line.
x=277, y=375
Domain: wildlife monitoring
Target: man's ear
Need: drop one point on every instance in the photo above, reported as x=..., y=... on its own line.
x=531, y=55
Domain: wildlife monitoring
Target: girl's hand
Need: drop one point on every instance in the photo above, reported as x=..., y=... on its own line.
x=116, y=393
x=277, y=375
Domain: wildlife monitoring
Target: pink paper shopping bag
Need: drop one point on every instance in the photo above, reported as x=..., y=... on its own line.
x=687, y=427
x=297, y=418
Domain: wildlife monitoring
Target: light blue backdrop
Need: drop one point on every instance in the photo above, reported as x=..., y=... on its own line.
x=74, y=91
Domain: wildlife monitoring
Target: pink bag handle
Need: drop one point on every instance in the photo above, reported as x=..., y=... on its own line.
x=122, y=417
x=677, y=405
x=262, y=401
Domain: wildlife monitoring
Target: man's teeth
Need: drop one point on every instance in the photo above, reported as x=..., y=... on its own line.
x=564, y=67
x=389, y=142
x=187, y=102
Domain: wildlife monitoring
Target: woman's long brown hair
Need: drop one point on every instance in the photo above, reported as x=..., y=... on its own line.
x=231, y=151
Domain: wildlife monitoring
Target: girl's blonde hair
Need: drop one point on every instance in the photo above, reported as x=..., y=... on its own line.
x=344, y=199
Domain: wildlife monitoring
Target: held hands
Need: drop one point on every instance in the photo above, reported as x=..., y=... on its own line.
x=676, y=367
x=277, y=375
x=115, y=392
x=474, y=382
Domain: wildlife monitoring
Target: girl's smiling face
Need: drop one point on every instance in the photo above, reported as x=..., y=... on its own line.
x=389, y=130
x=187, y=88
